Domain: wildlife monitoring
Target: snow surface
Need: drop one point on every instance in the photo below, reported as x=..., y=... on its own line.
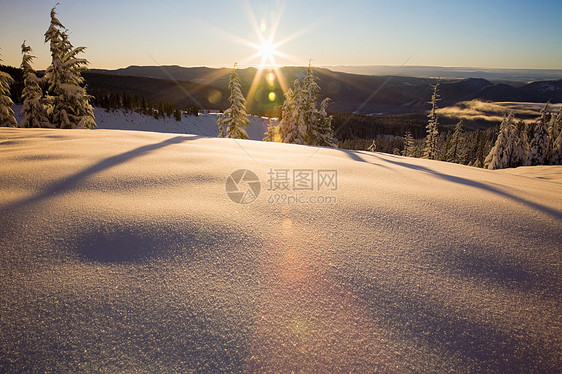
x=204, y=124
x=121, y=252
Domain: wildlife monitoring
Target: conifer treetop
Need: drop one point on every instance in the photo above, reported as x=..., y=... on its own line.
x=6, y=113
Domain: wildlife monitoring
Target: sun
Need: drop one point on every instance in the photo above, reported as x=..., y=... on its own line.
x=267, y=51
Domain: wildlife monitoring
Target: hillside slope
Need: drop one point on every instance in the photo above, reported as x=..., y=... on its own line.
x=120, y=251
x=385, y=93
x=203, y=124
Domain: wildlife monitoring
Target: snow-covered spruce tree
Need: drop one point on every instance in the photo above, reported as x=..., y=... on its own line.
x=220, y=124
x=69, y=104
x=507, y=152
x=234, y=119
x=272, y=134
x=291, y=125
x=7, y=118
x=479, y=150
x=555, y=136
x=409, y=145
x=318, y=123
x=33, y=111
x=455, y=149
x=325, y=135
x=539, y=142
x=302, y=122
x=430, y=150
x=519, y=154
x=494, y=159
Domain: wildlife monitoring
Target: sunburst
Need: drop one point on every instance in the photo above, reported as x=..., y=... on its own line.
x=267, y=48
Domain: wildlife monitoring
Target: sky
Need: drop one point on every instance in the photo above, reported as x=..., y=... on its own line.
x=218, y=33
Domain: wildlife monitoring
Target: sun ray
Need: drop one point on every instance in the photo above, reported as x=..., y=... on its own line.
x=228, y=36
x=254, y=87
x=252, y=18
x=267, y=54
x=277, y=21
x=282, y=80
x=302, y=31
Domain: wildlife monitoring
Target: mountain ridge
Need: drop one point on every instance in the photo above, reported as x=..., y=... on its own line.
x=349, y=92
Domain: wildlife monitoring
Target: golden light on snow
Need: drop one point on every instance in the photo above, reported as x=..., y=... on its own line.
x=306, y=321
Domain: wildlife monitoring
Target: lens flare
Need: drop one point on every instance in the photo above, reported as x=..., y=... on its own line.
x=272, y=96
x=214, y=96
x=270, y=78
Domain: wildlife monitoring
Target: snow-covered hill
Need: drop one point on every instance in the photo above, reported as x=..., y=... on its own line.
x=204, y=124
x=121, y=251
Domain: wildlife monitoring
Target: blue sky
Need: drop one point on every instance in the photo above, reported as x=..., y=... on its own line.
x=501, y=34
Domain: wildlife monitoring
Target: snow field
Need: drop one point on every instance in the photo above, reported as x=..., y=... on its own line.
x=121, y=252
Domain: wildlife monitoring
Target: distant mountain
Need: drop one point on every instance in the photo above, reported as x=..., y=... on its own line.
x=492, y=74
x=180, y=93
x=203, y=75
x=501, y=92
x=366, y=94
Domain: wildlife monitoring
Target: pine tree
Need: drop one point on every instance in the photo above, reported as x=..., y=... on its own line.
x=507, y=151
x=33, y=111
x=316, y=122
x=409, y=145
x=430, y=150
x=539, y=142
x=302, y=122
x=143, y=108
x=480, y=144
x=177, y=115
x=519, y=155
x=289, y=129
x=325, y=133
x=555, y=136
x=221, y=126
x=7, y=118
x=494, y=158
x=68, y=100
x=234, y=118
x=272, y=134
x=454, y=151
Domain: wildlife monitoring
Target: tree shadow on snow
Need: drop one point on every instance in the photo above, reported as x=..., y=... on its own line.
x=487, y=346
x=68, y=183
x=469, y=182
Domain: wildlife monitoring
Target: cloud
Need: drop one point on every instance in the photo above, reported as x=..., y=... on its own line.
x=493, y=111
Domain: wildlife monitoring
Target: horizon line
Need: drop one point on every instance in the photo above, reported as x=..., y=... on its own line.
x=264, y=67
